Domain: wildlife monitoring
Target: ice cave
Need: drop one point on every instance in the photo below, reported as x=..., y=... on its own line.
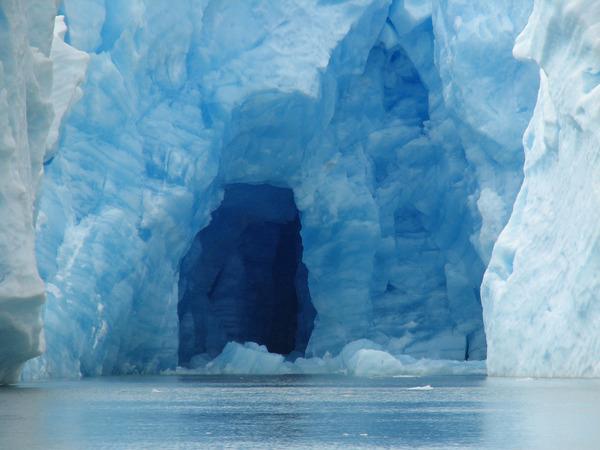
x=243, y=279
x=360, y=186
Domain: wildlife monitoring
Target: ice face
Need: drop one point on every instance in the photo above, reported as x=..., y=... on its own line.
x=544, y=269
x=376, y=117
x=28, y=110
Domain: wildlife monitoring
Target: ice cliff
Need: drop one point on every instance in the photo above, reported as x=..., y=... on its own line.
x=31, y=108
x=326, y=179
x=540, y=292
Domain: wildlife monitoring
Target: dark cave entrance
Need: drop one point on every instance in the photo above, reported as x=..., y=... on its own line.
x=243, y=278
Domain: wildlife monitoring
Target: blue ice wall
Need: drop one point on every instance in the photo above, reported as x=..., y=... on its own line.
x=377, y=115
x=490, y=97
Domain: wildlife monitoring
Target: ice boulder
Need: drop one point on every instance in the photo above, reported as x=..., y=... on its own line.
x=249, y=359
x=367, y=362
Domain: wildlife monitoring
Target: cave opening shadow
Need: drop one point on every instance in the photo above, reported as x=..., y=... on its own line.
x=243, y=278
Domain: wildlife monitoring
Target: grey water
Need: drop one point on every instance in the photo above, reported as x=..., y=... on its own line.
x=301, y=412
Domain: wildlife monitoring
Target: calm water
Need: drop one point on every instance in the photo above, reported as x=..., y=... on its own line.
x=301, y=412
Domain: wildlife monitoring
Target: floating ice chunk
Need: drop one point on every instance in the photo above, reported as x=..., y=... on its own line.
x=249, y=359
x=362, y=358
x=350, y=349
x=369, y=363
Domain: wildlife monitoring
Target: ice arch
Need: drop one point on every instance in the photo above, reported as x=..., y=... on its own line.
x=243, y=278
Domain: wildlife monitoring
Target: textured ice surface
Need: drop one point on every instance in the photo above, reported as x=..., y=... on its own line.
x=388, y=121
x=28, y=104
x=394, y=128
x=541, y=289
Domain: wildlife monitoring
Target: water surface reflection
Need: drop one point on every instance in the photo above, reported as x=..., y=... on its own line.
x=301, y=412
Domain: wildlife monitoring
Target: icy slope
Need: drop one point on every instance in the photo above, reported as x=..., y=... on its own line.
x=27, y=106
x=378, y=116
x=540, y=292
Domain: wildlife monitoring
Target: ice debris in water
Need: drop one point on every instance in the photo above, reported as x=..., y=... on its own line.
x=361, y=358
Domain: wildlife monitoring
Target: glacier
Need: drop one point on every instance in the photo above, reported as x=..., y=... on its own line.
x=358, y=114
x=370, y=187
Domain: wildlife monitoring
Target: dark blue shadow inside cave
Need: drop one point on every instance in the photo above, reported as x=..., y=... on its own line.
x=243, y=278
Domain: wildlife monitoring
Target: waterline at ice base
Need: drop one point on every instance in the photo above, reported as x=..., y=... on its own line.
x=375, y=188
